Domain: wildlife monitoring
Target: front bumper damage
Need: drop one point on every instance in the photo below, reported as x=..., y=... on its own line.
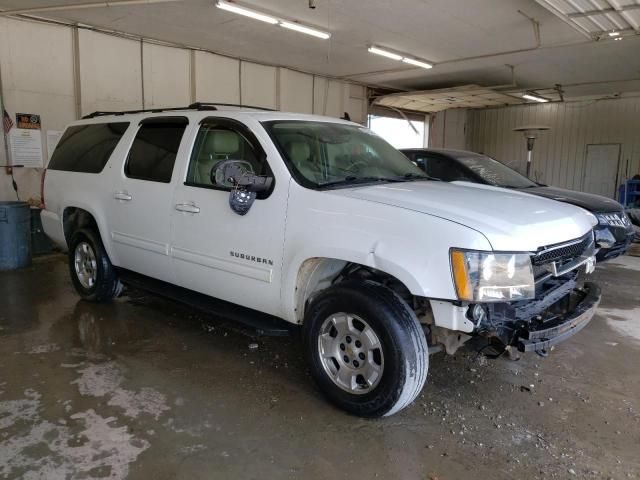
x=537, y=325
x=540, y=337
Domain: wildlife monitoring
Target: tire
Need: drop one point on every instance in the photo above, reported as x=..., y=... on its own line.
x=401, y=360
x=92, y=275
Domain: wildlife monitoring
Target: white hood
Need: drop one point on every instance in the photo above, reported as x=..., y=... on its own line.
x=511, y=221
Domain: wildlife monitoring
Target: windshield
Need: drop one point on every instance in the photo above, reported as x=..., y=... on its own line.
x=496, y=173
x=326, y=154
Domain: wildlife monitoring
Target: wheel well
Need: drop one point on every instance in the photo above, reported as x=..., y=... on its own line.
x=317, y=274
x=74, y=218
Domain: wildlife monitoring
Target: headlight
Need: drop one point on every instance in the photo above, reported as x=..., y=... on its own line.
x=492, y=277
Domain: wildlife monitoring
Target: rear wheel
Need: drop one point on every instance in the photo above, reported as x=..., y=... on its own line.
x=365, y=348
x=92, y=274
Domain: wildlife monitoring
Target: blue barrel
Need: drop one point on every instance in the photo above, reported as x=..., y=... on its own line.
x=15, y=235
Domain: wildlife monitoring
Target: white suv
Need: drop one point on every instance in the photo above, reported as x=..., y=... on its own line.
x=319, y=223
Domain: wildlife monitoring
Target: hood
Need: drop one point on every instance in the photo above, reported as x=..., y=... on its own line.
x=510, y=220
x=588, y=201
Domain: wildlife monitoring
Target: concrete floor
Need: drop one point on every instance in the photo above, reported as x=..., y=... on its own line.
x=143, y=388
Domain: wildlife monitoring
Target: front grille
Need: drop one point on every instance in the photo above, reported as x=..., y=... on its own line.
x=563, y=252
x=615, y=219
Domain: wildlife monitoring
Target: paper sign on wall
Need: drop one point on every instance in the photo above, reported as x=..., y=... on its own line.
x=26, y=147
x=53, y=137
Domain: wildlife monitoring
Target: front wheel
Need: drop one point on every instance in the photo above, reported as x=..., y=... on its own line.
x=365, y=348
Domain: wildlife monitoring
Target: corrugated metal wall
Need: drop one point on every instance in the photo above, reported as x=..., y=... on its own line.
x=559, y=154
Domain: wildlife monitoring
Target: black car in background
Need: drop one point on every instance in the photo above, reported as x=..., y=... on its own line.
x=614, y=231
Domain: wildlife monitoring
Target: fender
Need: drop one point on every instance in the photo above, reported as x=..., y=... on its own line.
x=321, y=224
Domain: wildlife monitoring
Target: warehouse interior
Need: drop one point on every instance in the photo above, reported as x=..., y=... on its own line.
x=145, y=387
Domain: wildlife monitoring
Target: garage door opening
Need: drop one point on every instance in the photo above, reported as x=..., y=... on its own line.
x=399, y=133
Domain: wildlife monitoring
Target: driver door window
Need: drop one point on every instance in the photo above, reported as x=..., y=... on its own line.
x=216, y=143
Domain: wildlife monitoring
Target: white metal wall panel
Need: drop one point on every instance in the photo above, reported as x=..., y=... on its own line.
x=37, y=67
x=258, y=85
x=217, y=78
x=167, y=77
x=559, y=155
x=328, y=97
x=356, y=103
x=110, y=72
x=296, y=91
x=37, y=77
x=448, y=129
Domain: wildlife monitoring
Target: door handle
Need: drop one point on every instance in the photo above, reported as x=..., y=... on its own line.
x=122, y=196
x=187, y=207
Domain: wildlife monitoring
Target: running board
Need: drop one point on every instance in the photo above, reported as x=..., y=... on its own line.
x=263, y=323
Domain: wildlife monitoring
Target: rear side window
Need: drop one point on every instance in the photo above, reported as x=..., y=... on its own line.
x=87, y=148
x=155, y=148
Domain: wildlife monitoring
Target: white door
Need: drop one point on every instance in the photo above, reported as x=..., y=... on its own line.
x=601, y=169
x=141, y=199
x=216, y=251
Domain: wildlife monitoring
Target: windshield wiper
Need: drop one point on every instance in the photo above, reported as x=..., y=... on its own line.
x=415, y=176
x=353, y=180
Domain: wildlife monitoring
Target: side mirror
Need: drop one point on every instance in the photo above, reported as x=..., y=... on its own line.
x=238, y=174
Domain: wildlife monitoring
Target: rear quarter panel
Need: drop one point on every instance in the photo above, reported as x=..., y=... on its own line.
x=92, y=192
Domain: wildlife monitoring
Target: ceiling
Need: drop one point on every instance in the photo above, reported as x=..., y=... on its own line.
x=470, y=42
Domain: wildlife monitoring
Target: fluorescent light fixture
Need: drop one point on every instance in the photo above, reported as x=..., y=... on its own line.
x=614, y=34
x=303, y=29
x=397, y=56
x=535, y=98
x=417, y=63
x=385, y=53
x=231, y=7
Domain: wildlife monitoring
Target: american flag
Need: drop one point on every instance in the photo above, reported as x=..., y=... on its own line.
x=7, y=123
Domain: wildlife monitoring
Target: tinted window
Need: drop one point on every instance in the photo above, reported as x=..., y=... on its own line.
x=87, y=148
x=154, y=149
x=217, y=142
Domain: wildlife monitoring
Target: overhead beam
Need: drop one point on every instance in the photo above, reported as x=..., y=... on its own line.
x=78, y=6
x=604, y=11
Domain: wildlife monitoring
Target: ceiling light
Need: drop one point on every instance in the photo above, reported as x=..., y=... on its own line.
x=231, y=7
x=385, y=53
x=417, y=63
x=535, y=98
x=303, y=29
x=614, y=34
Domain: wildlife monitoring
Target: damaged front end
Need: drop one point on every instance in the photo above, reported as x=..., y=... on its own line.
x=564, y=302
x=555, y=302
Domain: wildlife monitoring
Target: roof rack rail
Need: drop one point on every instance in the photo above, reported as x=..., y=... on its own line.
x=193, y=106
x=127, y=112
x=213, y=105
